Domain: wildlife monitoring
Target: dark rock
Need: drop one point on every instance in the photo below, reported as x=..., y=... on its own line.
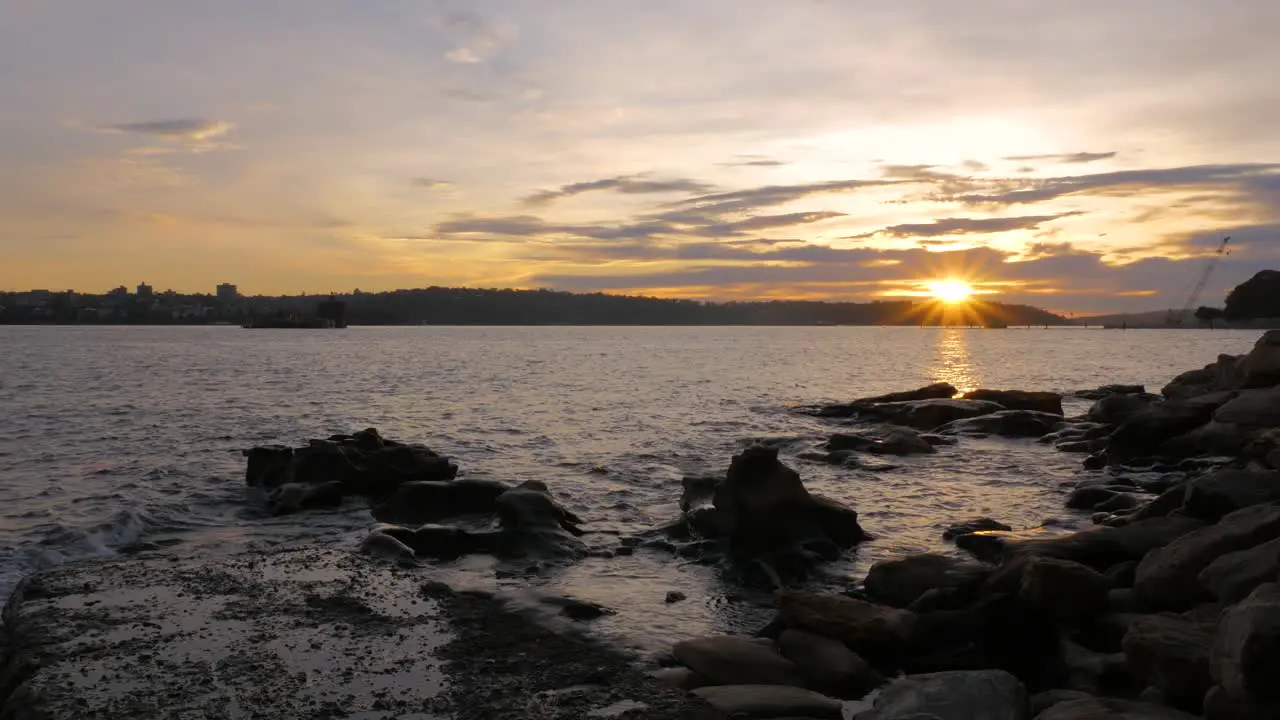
x=936, y=391
x=1225, y=491
x=1119, y=502
x=1113, y=389
x=828, y=665
x=929, y=414
x=875, y=632
x=576, y=609
x=1090, y=496
x=1066, y=590
x=1245, y=659
x=1143, y=434
x=1215, y=377
x=697, y=502
x=1095, y=672
x=769, y=701
x=1045, y=402
x=1259, y=408
x=937, y=440
x=1111, y=709
x=1168, y=577
x=423, y=501
x=1163, y=505
x=292, y=497
x=973, y=526
x=1115, y=409
x=675, y=596
x=1171, y=653
x=963, y=695
x=898, y=583
x=1212, y=438
x=734, y=660
x=678, y=678
x=1006, y=423
x=384, y=470
x=1261, y=367
x=1099, y=548
x=1121, y=574
x=267, y=466
x=1233, y=576
x=896, y=441
x=1220, y=705
x=1042, y=701
x=1082, y=446
x=1096, y=461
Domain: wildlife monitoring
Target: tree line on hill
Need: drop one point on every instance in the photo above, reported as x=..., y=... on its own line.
x=1257, y=298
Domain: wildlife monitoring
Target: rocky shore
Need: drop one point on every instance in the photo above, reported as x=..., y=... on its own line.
x=1169, y=608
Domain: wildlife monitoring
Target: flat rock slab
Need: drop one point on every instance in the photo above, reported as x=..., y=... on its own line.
x=769, y=701
x=299, y=633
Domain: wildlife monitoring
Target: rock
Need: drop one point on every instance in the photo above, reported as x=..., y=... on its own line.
x=1232, y=576
x=1110, y=709
x=929, y=414
x=1045, y=402
x=387, y=546
x=936, y=391
x=1108, y=390
x=769, y=701
x=384, y=470
x=1246, y=650
x=1082, y=446
x=1264, y=449
x=1006, y=423
x=292, y=497
x=1090, y=496
x=873, y=631
x=1168, y=577
x=898, y=583
x=1258, y=408
x=576, y=609
x=675, y=596
x=1217, y=376
x=1099, y=548
x=828, y=665
x=972, y=526
x=697, y=502
x=1068, y=591
x=1219, y=493
x=734, y=660
x=1163, y=505
x=678, y=678
x=1171, y=653
x=267, y=466
x=896, y=441
x=1143, y=434
x=535, y=525
x=1261, y=367
x=1115, y=409
x=959, y=695
x=423, y=501
x=1220, y=705
x=1042, y=701
x=1094, y=672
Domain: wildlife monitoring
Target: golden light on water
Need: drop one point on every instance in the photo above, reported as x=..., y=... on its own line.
x=950, y=291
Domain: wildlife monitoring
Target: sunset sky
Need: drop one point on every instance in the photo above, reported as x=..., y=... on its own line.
x=1081, y=156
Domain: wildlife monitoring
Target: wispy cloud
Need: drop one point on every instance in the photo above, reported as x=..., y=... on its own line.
x=480, y=38
x=625, y=184
x=967, y=226
x=186, y=130
x=430, y=183
x=1078, y=157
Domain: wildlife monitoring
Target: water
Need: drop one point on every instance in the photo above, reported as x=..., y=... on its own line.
x=114, y=436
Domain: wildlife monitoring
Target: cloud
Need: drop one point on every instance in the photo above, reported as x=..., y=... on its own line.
x=753, y=161
x=480, y=39
x=624, y=184
x=430, y=183
x=750, y=199
x=967, y=226
x=533, y=227
x=1247, y=178
x=1079, y=157
x=188, y=131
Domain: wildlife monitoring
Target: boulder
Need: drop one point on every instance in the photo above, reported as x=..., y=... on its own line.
x=697, y=502
x=1232, y=576
x=384, y=470
x=929, y=414
x=936, y=391
x=1258, y=408
x=534, y=524
x=769, y=701
x=1212, y=438
x=1171, y=653
x=1108, y=390
x=267, y=466
x=1162, y=505
x=1115, y=409
x=875, y=632
x=1098, y=548
x=1044, y=700
x=1111, y=709
x=1222, y=374
x=1006, y=423
x=1245, y=659
x=1212, y=496
x=895, y=441
x=958, y=695
x=424, y=501
x=1146, y=431
x=292, y=497
x=1045, y=402
x=1168, y=577
x=974, y=525
x=898, y=583
x=828, y=665
x=1264, y=449
x=1066, y=590
x=1091, y=496
x=734, y=660
x=1261, y=367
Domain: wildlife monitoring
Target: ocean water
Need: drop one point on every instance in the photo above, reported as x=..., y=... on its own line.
x=111, y=437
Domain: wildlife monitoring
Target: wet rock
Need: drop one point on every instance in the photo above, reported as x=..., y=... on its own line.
x=1082, y=446
x=874, y=632
x=1006, y=423
x=1119, y=503
x=735, y=660
x=1090, y=496
x=974, y=525
x=1163, y=505
x=697, y=502
x=1258, y=408
x=424, y=501
x=895, y=441
x=1094, y=672
x=678, y=678
x=1099, y=548
x=1261, y=367
x=1220, y=705
x=899, y=583
x=576, y=609
x=267, y=466
x=828, y=665
x=1212, y=438
x=936, y=391
x=929, y=414
x=769, y=701
x=675, y=596
x=293, y=497
x=1225, y=491
x=1113, y=389
x=1233, y=576
x=382, y=471
x=1111, y=709
x=1217, y=376
x=1171, y=653
x=1115, y=409
x=1143, y=434
x=1045, y=402
x=1042, y=701
x=386, y=545
x=1066, y=590
x=1168, y=577
x=1245, y=659
x=971, y=695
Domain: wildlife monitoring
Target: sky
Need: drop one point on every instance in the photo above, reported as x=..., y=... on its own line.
x=1085, y=157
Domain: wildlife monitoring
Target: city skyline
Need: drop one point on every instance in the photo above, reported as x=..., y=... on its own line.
x=1081, y=158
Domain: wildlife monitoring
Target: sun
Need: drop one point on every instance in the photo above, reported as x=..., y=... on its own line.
x=951, y=292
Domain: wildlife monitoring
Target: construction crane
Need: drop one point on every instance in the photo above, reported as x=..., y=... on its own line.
x=1221, y=252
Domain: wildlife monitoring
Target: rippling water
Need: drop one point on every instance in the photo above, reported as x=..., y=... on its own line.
x=114, y=436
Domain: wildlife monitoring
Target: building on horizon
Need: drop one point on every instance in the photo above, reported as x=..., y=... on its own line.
x=227, y=293
x=145, y=291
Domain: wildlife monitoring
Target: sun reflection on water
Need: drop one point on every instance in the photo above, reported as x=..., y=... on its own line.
x=952, y=361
